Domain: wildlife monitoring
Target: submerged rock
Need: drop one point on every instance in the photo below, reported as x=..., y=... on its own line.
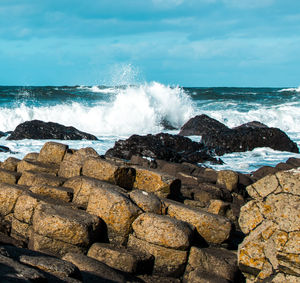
x=4, y=148
x=222, y=139
x=162, y=146
x=37, y=129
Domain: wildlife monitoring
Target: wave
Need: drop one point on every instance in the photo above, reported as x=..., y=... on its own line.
x=97, y=89
x=285, y=117
x=292, y=89
x=125, y=111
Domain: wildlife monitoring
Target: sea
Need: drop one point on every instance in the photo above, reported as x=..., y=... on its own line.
x=117, y=112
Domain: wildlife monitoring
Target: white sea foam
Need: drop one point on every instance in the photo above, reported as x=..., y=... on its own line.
x=292, y=89
x=97, y=89
x=130, y=110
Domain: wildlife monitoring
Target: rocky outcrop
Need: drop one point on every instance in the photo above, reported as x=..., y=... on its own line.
x=201, y=125
x=116, y=220
x=167, y=147
x=271, y=221
x=37, y=129
x=222, y=139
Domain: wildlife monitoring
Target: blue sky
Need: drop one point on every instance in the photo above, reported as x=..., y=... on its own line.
x=176, y=42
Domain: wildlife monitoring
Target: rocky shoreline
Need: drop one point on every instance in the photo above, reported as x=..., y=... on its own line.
x=147, y=212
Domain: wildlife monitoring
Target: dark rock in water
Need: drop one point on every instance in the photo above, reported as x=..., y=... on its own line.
x=173, y=148
x=2, y=134
x=252, y=125
x=167, y=125
x=201, y=125
x=4, y=148
x=36, y=129
x=222, y=139
x=248, y=138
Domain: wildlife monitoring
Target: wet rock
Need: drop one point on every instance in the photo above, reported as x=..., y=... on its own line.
x=121, y=258
x=37, y=129
x=173, y=148
x=163, y=230
x=4, y=148
x=247, y=138
x=201, y=125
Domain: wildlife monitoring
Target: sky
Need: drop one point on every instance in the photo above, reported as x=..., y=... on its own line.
x=176, y=42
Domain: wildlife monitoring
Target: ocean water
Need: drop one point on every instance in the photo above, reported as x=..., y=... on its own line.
x=113, y=113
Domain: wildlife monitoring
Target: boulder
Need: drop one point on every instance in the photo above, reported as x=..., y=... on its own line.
x=201, y=125
x=109, y=171
x=173, y=148
x=10, y=164
x=121, y=258
x=63, y=224
x=115, y=208
x=168, y=262
x=228, y=179
x=52, y=152
x=247, y=138
x=37, y=166
x=102, y=272
x=270, y=221
x=213, y=228
x=9, y=177
x=82, y=187
x=217, y=261
x=4, y=148
x=163, y=230
x=40, y=130
x=155, y=182
x=32, y=178
x=59, y=193
x=73, y=161
x=8, y=197
x=148, y=202
x=41, y=261
x=12, y=271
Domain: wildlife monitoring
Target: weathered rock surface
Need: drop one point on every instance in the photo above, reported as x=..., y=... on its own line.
x=148, y=202
x=121, y=258
x=271, y=221
x=100, y=272
x=167, y=147
x=37, y=129
x=10, y=163
x=213, y=228
x=66, y=225
x=168, y=262
x=217, y=261
x=152, y=181
x=163, y=230
x=109, y=171
x=115, y=208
